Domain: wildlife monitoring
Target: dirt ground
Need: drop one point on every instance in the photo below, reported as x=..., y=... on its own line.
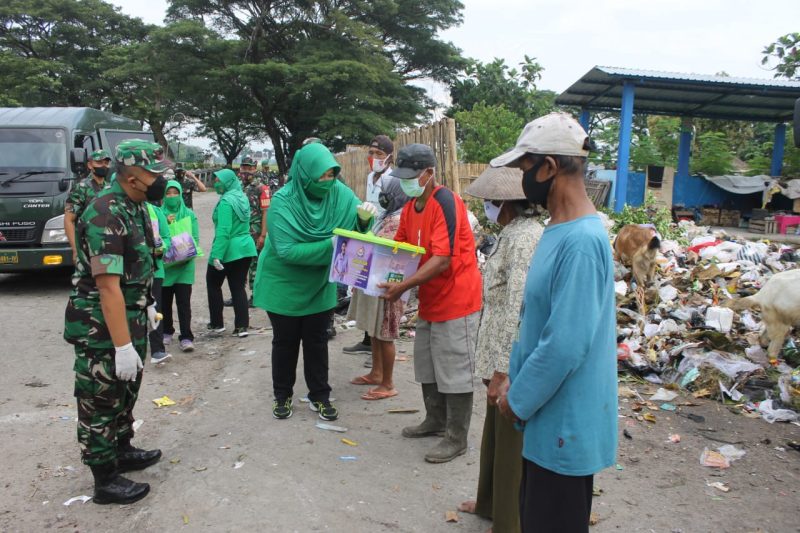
x=229, y=466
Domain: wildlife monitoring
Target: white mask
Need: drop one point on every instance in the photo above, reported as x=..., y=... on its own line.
x=492, y=211
x=378, y=165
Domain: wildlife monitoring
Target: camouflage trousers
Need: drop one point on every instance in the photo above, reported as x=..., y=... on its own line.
x=105, y=404
x=251, y=273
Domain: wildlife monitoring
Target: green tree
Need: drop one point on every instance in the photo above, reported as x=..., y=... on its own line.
x=713, y=156
x=784, y=56
x=50, y=51
x=495, y=83
x=487, y=131
x=334, y=69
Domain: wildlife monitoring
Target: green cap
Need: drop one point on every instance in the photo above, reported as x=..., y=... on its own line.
x=140, y=153
x=249, y=161
x=99, y=155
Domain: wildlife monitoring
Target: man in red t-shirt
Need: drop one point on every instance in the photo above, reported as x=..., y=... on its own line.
x=449, y=301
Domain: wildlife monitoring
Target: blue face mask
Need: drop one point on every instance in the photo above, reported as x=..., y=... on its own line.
x=412, y=187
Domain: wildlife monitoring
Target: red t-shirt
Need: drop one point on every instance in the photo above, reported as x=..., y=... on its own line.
x=443, y=229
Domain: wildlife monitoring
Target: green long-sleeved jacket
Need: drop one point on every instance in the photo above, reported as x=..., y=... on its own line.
x=232, y=238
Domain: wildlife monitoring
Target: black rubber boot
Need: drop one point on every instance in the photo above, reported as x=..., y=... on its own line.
x=435, y=414
x=110, y=487
x=454, y=443
x=132, y=458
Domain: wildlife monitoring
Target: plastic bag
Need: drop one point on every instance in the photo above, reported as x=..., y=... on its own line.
x=719, y=318
x=663, y=395
x=772, y=415
x=667, y=293
x=183, y=247
x=731, y=367
x=731, y=452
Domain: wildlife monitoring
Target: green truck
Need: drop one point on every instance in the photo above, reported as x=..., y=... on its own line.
x=43, y=153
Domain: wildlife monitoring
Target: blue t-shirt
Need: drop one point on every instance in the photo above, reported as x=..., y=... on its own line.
x=563, y=365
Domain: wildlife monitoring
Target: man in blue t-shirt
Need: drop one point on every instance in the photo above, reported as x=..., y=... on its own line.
x=562, y=391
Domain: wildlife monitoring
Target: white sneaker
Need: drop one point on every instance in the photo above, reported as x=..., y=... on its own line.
x=159, y=357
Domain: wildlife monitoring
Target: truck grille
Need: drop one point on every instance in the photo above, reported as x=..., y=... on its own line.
x=17, y=235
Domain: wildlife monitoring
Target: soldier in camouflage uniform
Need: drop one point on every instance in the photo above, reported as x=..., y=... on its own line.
x=107, y=319
x=83, y=191
x=257, y=193
x=189, y=182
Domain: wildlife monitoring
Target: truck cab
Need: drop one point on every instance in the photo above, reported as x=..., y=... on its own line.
x=43, y=154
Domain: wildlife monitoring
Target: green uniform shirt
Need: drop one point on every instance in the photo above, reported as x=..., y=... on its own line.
x=81, y=194
x=254, y=191
x=113, y=236
x=232, y=238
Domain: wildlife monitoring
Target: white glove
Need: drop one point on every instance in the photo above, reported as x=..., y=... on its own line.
x=153, y=317
x=366, y=211
x=127, y=362
x=216, y=263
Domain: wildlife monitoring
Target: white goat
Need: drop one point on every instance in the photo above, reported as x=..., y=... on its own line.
x=779, y=301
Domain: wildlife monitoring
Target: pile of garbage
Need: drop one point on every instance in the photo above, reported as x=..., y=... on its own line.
x=681, y=334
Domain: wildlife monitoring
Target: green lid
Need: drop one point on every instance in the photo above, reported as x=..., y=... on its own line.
x=373, y=239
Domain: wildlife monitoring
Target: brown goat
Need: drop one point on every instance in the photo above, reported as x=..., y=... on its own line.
x=636, y=247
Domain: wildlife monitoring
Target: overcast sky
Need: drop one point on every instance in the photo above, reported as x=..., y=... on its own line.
x=568, y=38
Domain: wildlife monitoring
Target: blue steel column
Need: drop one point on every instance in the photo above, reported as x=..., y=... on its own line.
x=777, y=150
x=584, y=119
x=623, y=158
x=684, y=148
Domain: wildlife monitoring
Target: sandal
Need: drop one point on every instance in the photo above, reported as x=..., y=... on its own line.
x=364, y=380
x=373, y=394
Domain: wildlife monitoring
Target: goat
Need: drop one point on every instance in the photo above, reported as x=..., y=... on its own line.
x=779, y=301
x=636, y=247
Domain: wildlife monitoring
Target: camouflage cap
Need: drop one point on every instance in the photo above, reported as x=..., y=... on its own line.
x=99, y=155
x=249, y=161
x=141, y=153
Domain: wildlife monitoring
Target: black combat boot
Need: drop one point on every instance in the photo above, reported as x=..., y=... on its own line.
x=110, y=487
x=132, y=458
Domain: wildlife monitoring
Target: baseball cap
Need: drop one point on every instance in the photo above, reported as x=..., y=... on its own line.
x=382, y=143
x=100, y=155
x=412, y=160
x=140, y=153
x=249, y=161
x=553, y=134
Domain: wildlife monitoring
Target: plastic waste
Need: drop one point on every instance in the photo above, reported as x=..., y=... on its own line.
x=663, y=395
x=729, y=366
x=713, y=459
x=772, y=415
x=621, y=288
x=667, y=293
x=719, y=318
x=731, y=452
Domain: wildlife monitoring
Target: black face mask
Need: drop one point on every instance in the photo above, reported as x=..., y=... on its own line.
x=536, y=192
x=100, y=172
x=155, y=192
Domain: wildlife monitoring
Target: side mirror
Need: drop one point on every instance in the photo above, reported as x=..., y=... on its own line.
x=797, y=123
x=78, y=157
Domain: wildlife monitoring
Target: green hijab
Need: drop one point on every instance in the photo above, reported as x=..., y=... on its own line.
x=233, y=194
x=181, y=211
x=305, y=217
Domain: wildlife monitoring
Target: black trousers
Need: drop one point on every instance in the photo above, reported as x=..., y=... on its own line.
x=181, y=293
x=553, y=503
x=287, y=333
x=157, y=335
x=236, y=274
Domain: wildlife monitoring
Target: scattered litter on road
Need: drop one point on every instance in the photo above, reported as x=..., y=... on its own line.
x=186, y=520
x=82, y=499
x=348, y=458
x=238, y=464
x=200, y=468
x=668, y=407
x=330, y=427
x=674, y=438
x=627, y=434
x=713, y=459
x=349, y=442
x=137, y=424
x=451, y=516
x=663, y=395
x=719, y=486
x=402, y=410
x=164, y=401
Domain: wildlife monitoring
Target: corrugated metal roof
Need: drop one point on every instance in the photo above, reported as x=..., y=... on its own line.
x=691, y=95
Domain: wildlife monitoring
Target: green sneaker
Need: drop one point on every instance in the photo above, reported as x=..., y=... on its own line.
x=327, y=411
x=282, y=409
